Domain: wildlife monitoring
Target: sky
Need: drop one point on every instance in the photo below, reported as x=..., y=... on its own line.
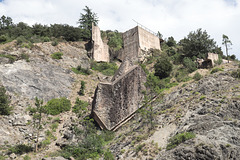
x=170, y=17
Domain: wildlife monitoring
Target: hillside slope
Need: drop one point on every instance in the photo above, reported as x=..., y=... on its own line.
x=208, y=109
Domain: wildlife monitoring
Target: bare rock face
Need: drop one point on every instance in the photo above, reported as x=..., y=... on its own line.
x=115, y=102
x=36, y=79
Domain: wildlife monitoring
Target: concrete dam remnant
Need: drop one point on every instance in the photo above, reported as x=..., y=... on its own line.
x=116, y=102
x=100, y=48
x=137, y=43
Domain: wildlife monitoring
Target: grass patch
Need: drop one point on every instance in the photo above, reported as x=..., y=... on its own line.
x=107, y=69
x=20, y=149
x=57, y=55
x=214, y=70
x=179, y=138
x=10, y=57
x=80, y=70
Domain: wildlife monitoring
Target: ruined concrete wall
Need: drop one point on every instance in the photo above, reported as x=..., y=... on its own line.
x=137, y=42
x=213, y=57
x=148, y=40
x=100, y=49
x=115, y=102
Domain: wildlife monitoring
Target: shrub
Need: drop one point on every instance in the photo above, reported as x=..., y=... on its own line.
x=189, y=64
x=57, y=55
x=179, y=138
x=107, y=69
x=21, y=40
x=57, y=106
x=5, y=109
x=25, y=56
x=80, y=107
x=202, y=97
x=214, y=70
x=45, y=39
x=182, y=75
x=163, y=67
x=108, y=155
x=197, y=76
x=3, y=38
x=20, y=149
x=26, y=157
x=80, y=70
x=81, y=91
x=236, y=74
x=54, y=43
x=219, y=61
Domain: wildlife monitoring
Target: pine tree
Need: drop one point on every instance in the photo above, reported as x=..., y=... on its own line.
x=85, y=23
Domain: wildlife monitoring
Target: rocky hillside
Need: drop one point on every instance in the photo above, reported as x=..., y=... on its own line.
x=209, y=109
x=193, y=120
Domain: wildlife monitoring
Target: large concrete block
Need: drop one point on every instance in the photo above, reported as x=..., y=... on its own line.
x=137, y=42
x=115, y=102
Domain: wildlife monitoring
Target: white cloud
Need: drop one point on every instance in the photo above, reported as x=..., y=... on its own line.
x=171, y=17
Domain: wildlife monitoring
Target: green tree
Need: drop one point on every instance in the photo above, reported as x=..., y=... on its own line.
x=37, y=113
x=227, y=43
x=5, y=109
x=5, y=22
x=85, y=22
x=197, y=44
x=163, y=67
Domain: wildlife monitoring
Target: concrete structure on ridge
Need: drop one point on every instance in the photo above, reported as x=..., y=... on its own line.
x=116, y=102
x=100, y=49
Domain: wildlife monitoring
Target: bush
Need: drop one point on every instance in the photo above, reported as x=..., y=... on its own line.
x=81, y=91
x=80, y=70
x=25, y=56
x=107, y=69
x=80, y=107
x=3, y=38
x=179, y=138
x=57, y=55
x=54, y=43
x=214, y=70
x=21, y=40
x=163, y=67
x=108, y=155
x=20, y=149
x=189, y=64
x=197, y=76
x=57, y=106
x=5, y=109
x=236, y=74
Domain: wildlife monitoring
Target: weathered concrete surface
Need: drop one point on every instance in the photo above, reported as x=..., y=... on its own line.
x=117, y=101
x=114, y=103
x=213, y=57
x=100, y=49
x=137, y=42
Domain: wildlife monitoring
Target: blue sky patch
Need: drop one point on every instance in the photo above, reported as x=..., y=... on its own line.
x=231, y=2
